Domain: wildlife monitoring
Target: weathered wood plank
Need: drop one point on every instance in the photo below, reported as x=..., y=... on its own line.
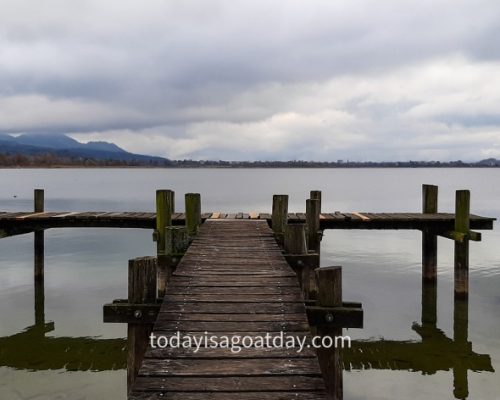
x=224, y=384
x=229, y=367
x=250, y=395
x=217, y=353
x=235, y=308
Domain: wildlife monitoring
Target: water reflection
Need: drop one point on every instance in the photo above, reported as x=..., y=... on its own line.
x=435, y=352
x=31, y=349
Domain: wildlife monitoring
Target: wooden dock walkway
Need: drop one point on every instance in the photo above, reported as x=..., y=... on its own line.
x=233, y=280
x=147, y=220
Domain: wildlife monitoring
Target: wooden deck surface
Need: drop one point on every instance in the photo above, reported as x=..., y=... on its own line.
x=147, y=220
x=233, y=280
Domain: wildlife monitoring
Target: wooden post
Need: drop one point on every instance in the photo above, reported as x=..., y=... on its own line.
x=330, y=295
x=316, y=195
x=39, y=200
x=280, y=216
x=39, y=240
x=295, y=239
x=294, y=243
x=429, y=240
x=330, y=286
x=176, y=244
x=193, y=213
x=295, y=250
x=462, y=211
x=164, y=210
x=141, y=289
x=312, y=220
x=177, y=240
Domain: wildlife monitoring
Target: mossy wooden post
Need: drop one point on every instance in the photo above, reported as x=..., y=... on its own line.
x=39, y=239
x=330, y=295
x=279, y=217
x=164, y=210
x=294, y=243
x=193, y=213
x=39, y=200
x=316, y=195
x=141, y=290
x=177, y=242
x=429, y=240
x=312, y=219
x=295, y=239
x=462, y=212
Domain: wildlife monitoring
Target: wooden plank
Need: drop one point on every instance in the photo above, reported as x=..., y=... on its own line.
x=207, y=317
x=217, y=353
x=233, y=290
x=229, y=367
x=250, y=395
x=234, y=298
x=225, y=384
x=21, y=217
x=363, y=217
x=235, y=308
x=241, y=327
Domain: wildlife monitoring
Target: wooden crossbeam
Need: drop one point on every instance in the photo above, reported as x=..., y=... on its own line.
x=121, y=311
x=335, y=317
x=461, y=236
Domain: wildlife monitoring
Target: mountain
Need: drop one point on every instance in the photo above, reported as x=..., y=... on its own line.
x=48, y=141
x=489, y=162
x=67, y=147
x=105, y=146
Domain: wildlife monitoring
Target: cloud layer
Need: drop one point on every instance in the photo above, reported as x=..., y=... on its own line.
x=255, y=80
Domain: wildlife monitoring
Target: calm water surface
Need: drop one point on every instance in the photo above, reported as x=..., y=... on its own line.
x=85, y=268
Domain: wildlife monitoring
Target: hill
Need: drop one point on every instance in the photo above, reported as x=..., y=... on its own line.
x=62, y=149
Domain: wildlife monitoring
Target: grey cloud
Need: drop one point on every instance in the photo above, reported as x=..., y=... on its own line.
x=176, y=67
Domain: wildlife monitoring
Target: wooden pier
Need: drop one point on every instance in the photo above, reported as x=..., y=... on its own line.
x=244, y=274
x=232, y=281
x=10, y=222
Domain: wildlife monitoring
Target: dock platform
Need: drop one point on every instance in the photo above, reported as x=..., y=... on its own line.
x=233, y=280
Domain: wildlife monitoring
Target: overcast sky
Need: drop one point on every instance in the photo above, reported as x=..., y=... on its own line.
x=249, y=80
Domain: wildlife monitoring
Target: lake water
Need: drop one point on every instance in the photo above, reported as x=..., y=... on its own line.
x=85, y=268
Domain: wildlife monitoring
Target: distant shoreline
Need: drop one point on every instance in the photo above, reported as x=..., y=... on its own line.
x=250, y=167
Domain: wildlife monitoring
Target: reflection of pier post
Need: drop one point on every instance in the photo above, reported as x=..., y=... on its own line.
x=429, y=240
x=39, y=303
x=460, y=338
x=429, y=304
